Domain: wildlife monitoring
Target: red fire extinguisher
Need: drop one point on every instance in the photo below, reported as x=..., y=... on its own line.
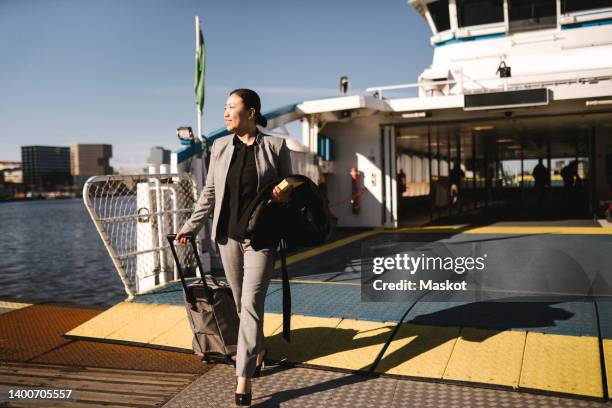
x=356, y=190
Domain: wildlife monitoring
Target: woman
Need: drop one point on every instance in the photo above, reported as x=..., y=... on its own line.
x=240, y=166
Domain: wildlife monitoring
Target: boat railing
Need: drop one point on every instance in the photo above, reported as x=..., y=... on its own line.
x=133, y=213
x=463, y=84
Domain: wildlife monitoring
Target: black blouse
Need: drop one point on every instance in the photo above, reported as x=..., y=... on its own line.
x=240, y=189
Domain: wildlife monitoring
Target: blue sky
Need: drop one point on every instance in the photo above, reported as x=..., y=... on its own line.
x=121, y=71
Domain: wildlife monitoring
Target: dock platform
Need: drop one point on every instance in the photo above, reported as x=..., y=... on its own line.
x=556, y=353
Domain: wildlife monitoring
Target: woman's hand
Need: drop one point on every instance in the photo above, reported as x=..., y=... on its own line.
x=279, y=196
x=181, y=238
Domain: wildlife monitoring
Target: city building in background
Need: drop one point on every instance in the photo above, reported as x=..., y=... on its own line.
x=88, y=160
x=46, y=168
x=158, y=155
x=11, y=180
x=10, y=172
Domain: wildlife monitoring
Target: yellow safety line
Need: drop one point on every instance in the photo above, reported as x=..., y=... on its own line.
x=532, y=229
x=318, y=282
x=431, y=228
x=540, y=230
x=7, y=304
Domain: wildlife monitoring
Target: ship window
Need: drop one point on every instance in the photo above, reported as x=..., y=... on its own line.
x=532, y=14
x=568, y=6
x=439, y=14
x=476, y=12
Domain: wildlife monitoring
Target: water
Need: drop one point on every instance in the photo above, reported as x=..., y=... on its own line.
x=50, y=251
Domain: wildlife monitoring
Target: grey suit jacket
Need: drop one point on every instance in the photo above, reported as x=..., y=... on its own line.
x=272, y=160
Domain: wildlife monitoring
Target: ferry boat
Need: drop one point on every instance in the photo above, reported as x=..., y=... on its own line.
x=510, y=82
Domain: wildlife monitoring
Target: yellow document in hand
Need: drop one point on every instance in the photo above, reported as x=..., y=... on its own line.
x=288, y=184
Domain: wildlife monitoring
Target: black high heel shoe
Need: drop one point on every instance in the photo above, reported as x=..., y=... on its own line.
x=260, y=366
x=242, y=399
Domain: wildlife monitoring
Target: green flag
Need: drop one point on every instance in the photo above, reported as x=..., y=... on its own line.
x=199, y=71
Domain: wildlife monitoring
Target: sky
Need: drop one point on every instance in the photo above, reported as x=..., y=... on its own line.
x=121, y=71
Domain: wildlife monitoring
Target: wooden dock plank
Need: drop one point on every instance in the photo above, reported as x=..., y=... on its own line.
x=128, y=375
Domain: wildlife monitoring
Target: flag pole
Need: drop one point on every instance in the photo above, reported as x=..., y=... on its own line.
x=197, y=58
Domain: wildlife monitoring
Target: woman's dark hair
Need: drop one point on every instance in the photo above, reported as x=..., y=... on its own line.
x=251, y=100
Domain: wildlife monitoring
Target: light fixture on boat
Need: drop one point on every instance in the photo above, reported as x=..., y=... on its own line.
x=503, y=70
x=344, y=85
x=505, y=140
x=346, y=113
x=597, y=102
x=414, y=115
x=486, y=127
x=410, y=137
x=184, y=133
x=514, y=147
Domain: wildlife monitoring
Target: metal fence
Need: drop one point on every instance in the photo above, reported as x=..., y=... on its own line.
x=133, y=213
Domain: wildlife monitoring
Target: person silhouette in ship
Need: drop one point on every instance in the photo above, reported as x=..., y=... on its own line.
x=541, y=177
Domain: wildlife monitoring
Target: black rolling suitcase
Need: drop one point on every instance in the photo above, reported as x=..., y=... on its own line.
x=211, y=311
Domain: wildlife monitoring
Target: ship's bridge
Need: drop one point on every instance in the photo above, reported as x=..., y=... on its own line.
x=474, y=40
x=467, y=20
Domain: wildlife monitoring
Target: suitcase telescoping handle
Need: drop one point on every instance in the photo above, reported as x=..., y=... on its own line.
x=171, y=238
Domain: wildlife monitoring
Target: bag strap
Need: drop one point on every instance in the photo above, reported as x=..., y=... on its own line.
x=286, y=293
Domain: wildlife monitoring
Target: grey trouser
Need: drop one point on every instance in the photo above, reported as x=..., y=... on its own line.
x=248, y=272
